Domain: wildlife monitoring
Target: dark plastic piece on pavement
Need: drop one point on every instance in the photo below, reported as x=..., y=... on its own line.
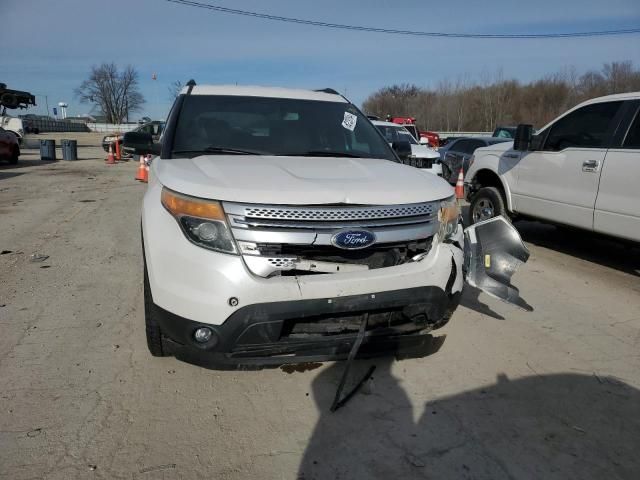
x=337, y=401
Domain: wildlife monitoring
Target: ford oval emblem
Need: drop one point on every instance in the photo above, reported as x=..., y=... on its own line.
x=353, y=239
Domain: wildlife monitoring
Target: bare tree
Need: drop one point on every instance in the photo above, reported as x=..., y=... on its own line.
x=174, y=89
x=472, y=106
x=115, y=92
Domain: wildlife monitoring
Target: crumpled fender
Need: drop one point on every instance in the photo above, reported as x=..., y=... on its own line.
x=493, y=252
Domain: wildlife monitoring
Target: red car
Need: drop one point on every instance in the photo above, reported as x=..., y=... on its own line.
x=9, y=147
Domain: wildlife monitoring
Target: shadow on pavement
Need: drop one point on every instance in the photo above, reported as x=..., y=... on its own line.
x=550, y=426
x=607, y=251
x=5, y=175
x=470, y=299
x=592, y=247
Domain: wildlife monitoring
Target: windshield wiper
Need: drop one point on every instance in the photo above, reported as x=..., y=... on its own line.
x=222, y=151
x=320, y=153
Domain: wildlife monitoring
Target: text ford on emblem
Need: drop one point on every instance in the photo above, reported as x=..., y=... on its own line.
x=353, y=239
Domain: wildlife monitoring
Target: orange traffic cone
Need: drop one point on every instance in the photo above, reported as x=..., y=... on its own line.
x=118, y=154
x=110, y=158
x=142, y=174
x=460, y=185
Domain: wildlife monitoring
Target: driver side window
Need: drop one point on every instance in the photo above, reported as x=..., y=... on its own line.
x=587, y=127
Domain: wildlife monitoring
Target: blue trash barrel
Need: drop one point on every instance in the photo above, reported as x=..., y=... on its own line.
x=69, y=149
x=48, y=150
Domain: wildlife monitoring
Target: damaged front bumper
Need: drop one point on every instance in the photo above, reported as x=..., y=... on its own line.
x=273, y=334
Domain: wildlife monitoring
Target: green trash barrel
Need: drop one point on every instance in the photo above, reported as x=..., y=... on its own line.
x=48, y=150
x=69, y=149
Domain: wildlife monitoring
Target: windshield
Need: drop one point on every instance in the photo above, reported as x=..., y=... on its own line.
x=504, y=133
x=393, y=134
x=275, y=126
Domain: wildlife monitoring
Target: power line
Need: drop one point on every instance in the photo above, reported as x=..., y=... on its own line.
x=265, y=16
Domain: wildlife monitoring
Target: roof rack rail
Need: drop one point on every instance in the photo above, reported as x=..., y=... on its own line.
x=327, y=90
x=191, y=83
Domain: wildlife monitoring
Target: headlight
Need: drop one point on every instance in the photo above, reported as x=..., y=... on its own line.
x=448, y=216
x=202, y=221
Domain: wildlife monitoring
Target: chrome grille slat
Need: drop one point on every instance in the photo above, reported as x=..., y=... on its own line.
x=315, y=225
x=329, y=213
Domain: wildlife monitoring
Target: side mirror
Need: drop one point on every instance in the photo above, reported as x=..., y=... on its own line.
x=140, y=143
x=522, y=140
x=402, y=149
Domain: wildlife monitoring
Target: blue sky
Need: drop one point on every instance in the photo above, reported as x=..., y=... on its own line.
x=48, y=47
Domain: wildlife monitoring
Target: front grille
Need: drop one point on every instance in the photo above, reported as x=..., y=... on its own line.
x=290, y=239
x=284, y=256
x=319, y=214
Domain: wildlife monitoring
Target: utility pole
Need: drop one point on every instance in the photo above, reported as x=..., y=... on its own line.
x=46, y=101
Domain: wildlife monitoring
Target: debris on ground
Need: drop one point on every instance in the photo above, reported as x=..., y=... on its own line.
x=300, y=367
x=34, y=433
x=37, y=257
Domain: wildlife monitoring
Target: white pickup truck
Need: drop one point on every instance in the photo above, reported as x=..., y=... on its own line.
x=581, y=170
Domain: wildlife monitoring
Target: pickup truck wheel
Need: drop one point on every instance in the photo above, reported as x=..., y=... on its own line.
x=487, y=203
x=158, y=345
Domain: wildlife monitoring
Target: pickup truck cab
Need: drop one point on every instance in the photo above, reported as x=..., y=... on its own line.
x=581, y=170
x=279, y=225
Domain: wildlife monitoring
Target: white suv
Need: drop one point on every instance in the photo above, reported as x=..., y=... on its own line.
x=275, y=220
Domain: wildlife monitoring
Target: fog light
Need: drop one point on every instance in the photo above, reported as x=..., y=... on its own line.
x=202, y=335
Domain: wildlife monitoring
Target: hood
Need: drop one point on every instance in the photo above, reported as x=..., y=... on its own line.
x=422, y=151
x=500, y=147
x=300, y=180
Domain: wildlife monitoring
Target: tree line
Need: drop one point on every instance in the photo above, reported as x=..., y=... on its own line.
x=480, y=105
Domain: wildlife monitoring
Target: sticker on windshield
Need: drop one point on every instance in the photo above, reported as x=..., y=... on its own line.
x=349, y=121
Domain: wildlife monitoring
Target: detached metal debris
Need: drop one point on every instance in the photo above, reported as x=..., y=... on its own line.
x=493, y=252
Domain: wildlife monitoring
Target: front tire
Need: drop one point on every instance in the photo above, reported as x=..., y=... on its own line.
x=446, y=173
x=156, y=342
x=13, y=159
x=487, y=203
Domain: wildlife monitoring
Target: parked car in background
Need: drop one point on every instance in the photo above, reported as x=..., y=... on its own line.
x=9, y=147
x=504, y=132
x=456, y=154
x=154, y=129
x=580, y=170
x=14, y=126
x=424, y=137
x=422, y=156
x=430, y=138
